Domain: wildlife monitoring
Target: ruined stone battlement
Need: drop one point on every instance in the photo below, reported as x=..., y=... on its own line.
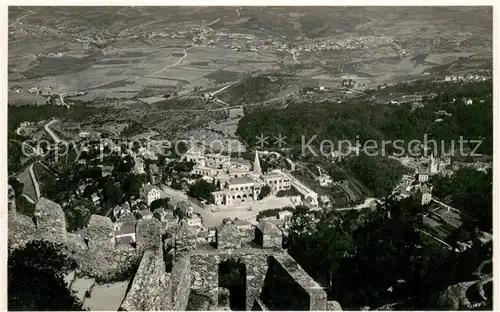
x=272, y=279
x=271, y=275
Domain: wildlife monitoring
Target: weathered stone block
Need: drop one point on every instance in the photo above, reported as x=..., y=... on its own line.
x=50, y=220
x=228, y=236
x=333, y=305
x=181, y=284
x=150, y=285
x=224, y=296
x=149, y=233
x=268, y=235
x=100, y=233
x=186, y=240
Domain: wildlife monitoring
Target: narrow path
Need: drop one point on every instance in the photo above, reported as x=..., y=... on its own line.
x=445, y=205
x=21, y=17
x=294, y=57
x=367, y=204
x=61, y=97
x=220, y=90
x=437, y=239
x=172, y=65
x=28, y=198
x=35, y=182
x=50, y=132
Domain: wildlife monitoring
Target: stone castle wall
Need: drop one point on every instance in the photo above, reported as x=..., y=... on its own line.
x=181, y=284
x=150, y=287
x=196, y=265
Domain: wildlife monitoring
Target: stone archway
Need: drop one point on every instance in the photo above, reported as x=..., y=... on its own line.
x=233, y=277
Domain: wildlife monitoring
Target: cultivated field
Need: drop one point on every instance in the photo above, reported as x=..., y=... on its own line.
x=162, y=57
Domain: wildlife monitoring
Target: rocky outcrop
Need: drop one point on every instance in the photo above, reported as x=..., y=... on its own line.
x=50, y=220
x=467, y=295
x=333, y=305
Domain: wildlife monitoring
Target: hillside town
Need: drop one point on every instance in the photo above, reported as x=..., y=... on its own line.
x=250, y=158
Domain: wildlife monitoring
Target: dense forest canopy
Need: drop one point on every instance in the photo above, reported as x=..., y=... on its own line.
x=362, y=120
x=36, y=279
x=379, y=257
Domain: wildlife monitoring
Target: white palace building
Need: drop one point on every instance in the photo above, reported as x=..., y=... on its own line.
x=240, y=180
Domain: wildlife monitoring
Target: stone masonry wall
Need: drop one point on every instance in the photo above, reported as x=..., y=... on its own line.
x=317, y=296
x=148, y=234
x=150, y=288
x=205, y=275
x=205, y=271
x=281, y=292
x=100, y=233
x=228, y=237
x=181, y=284
x=257, y=266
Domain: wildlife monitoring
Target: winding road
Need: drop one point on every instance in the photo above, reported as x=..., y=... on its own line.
x=294, y=57
x=445, y=205
x=367, y=204
x=21, y=17
x=174, y=64
x=35, y=182
x=61, y=97
x=50, y=132
x=437, y=239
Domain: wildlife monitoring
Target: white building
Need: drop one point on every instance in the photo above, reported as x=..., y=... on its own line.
x=139, y=166
x=125, y=233
x=243, y=164
x=423, y=177
x=145, y=214
x=194, y=220
x=308, y=196
x=217, y=161
x=426, y=194
x=149, y=193
x=277, y=181
x=84, y=134
x=324, y=180
x=285, y=215
x=194, y=154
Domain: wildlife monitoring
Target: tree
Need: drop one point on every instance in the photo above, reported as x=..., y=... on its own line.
x=359, y=257
x=202, y=189
x=264, y=192
x=132, y=185
x=78, y=214
x=461, y=191
x=36, y=281
x=112, y=193
x=160, y=203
